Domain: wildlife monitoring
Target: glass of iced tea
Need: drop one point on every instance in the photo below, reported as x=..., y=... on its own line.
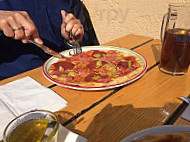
x=32, y=127
x=175, y=37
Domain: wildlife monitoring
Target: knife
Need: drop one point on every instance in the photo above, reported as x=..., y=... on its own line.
x=187, y=100
x=47, y=50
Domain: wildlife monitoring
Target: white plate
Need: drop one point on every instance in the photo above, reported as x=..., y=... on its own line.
x=157, y=130
x=52, y=60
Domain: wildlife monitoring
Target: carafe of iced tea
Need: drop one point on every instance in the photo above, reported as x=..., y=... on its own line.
x=175, y=37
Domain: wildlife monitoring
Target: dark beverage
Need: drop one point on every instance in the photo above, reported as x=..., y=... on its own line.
x=175, y=55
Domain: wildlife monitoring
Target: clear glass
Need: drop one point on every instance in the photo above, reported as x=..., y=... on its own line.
x=31, y=126
x=175, y=37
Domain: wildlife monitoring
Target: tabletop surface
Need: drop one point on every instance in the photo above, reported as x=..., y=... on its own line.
x=112, y=115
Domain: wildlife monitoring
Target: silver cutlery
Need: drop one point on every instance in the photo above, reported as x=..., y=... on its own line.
x=75, y=46
x=187, y=100
x=47, y=50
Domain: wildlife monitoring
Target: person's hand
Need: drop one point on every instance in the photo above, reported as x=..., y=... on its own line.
x=18, y=25
x=71, y=23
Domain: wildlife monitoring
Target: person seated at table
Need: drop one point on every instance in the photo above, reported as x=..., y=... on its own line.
x=46, y=22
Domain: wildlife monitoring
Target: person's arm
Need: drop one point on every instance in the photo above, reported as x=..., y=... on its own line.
x=18, y=25
x=71, y=24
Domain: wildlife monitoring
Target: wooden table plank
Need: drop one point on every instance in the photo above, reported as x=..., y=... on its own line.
x=182, y=121
x=134, y=109
x=35, y=74
x=129, y=41
x=80, y=100
x=150, y=51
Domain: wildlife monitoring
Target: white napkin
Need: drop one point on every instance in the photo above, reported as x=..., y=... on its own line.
x=24, y=95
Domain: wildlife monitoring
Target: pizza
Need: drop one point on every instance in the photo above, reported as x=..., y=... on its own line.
x=167, y=137
x=97, y=68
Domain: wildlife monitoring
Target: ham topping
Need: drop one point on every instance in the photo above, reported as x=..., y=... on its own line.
x=65, y=64
x=57, y=73
x=100, y=53
x=123, y=64
x=92, y=65
x=89, y=78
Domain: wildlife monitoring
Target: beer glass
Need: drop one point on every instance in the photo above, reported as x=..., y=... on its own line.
x=175, y=37
x=33, y=126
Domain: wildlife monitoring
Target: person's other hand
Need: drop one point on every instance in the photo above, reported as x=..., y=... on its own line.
x=71, y=23
x=18, y=25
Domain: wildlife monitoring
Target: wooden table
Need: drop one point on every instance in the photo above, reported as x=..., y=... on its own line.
x=111, y=115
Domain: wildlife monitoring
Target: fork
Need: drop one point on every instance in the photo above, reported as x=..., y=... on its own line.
x=74, y=45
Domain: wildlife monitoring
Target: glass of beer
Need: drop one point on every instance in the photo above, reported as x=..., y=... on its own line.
x=175, y=37
x=33, y=126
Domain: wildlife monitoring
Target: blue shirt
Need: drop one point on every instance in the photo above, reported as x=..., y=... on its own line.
x=16, y=57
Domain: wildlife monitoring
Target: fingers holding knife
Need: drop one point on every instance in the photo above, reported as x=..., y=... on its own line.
x=18, y=25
